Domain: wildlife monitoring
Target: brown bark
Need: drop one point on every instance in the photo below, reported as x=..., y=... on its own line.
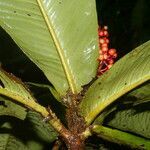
x=76, y=126
x=74, y=142
x=75, y=123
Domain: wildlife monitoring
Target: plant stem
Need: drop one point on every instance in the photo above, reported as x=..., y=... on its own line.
x=121, y=137
x=72, y=139
x=57, y=125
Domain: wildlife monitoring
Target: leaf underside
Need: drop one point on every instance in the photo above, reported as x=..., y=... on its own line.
x=135, y=120
x=132, y=114
x=139, y=95
x=30, y=134
x=9, y=108
x=60, y=37
x=13, y=87
x=42, y=129
x=129, y=72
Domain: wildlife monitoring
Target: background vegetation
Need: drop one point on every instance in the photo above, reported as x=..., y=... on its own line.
x=128, y=23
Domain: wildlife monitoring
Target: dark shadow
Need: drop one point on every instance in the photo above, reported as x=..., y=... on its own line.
x=13, y=60
x=21, y=130
x=96, y=143
x=128, y=22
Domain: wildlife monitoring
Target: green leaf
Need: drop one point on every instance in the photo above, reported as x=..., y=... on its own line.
x=139, y=95
x=11, y=86
x=122, y=138
x=11, y=109
x=21, y=135
x=132, y=114
x=8, y=141
x=42, y=93
x=129, y=72
x=43, y=130
x=59, y=36
x=132, y=119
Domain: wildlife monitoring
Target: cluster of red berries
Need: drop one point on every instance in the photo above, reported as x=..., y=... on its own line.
x=107, y=56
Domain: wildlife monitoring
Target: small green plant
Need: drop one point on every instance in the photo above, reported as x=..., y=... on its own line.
x=65, y=47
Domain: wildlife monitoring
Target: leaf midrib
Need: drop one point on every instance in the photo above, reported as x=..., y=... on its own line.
x=3, y=91
x=59, y=49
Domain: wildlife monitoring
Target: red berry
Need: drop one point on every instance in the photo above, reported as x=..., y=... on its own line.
x=111, y=61
x=101, y=58
x=112, y=52
x=106, y=40
x=105, y=33
x=105, y=56
x=100, y=52
x=101, y=41
x=115, y=55
x=104, y=49
x=104, y=45
x=101, y=33
x=105, y=27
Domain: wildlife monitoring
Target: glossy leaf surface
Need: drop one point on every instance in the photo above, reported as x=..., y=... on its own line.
x=129, y=72
x=59, y=36
x=133, y=114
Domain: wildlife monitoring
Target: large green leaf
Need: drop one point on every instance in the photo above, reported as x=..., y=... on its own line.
x=9, y=108
x=122, y=138
x=8, y=140
x=30, y=134
x=43, y=130
x=12, y=87
x=135, y=119
x=59, y=36
x=129, y=72
x=131, y=113
x=139, y=95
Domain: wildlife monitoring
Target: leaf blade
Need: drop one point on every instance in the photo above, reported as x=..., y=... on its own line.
x=133, y=113
x=117, y=81
x=131, y=120
x=133, y=99
x=58, y=47
x=120, y=137
x=79, y=43
x=9, y=108
x=43, y=130
x=13, y=86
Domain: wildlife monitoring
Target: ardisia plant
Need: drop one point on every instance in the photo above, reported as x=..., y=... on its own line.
x=61, y=38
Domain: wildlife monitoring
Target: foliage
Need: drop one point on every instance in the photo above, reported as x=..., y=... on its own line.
x=73, y=104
